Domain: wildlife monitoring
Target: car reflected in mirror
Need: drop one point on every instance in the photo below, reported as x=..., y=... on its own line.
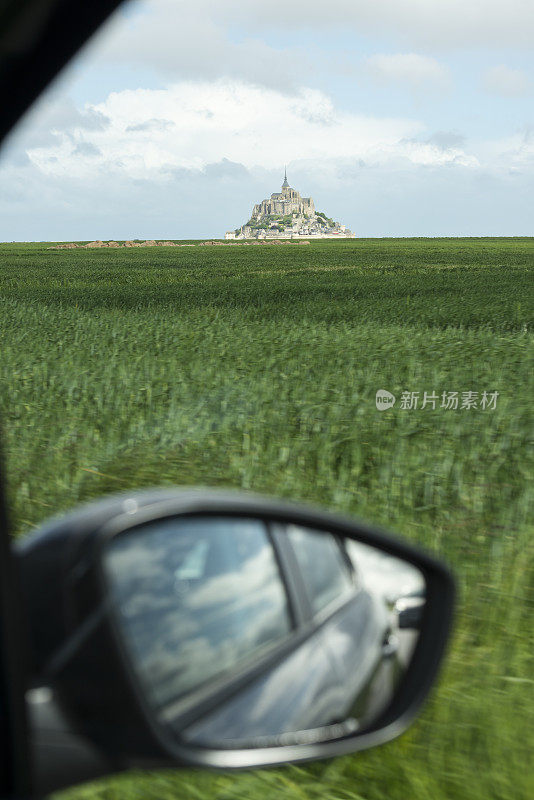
x=251, y=633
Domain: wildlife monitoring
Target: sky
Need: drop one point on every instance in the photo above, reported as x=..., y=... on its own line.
x=399, y=118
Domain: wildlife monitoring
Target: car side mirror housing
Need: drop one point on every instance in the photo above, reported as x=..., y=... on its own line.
x=219, y=629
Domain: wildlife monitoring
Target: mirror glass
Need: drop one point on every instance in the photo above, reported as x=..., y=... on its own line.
x=249, y=633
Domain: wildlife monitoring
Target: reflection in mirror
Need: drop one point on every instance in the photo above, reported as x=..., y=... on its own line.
x=245, y=633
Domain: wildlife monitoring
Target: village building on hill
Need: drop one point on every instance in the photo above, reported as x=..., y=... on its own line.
x=287, y=215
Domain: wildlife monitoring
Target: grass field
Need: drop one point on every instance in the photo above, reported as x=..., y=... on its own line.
x=257, y=367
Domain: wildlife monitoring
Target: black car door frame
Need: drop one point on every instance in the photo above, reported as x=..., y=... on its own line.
x=37, y=39
x=15, y=778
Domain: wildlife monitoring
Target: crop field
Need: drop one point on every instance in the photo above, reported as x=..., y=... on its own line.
x=257, y=368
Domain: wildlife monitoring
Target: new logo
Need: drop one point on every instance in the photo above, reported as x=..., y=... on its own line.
x=384, y=400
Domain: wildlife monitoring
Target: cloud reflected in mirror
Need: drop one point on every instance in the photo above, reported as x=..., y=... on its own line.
x=250, y=633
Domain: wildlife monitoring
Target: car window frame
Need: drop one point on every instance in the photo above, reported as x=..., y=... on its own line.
x=218, y=690
x=15, y=773
x=305, y=624
x=37, y=40
x=318, y=617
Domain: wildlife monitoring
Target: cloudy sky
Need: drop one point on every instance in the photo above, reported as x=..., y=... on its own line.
x=399, y=117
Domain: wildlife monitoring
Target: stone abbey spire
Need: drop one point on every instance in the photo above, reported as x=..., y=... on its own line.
x=285, y=184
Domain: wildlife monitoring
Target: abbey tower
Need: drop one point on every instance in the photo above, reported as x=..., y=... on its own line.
x=285, y=202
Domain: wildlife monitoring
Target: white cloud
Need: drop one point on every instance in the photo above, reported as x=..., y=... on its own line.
x=206, y=122
x=187, y=41
x=54, y=113
x=445, y=23
x=432, y=154
x=447, y=139
x=398, y=198
x=208, y=40
x=408, y=69
x=229, y=106
x=507, y=82
x=513, y=153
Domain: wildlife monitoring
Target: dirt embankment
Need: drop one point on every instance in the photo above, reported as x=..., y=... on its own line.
x=152, y=243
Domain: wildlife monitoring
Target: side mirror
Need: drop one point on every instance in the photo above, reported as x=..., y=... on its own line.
x=224, y=630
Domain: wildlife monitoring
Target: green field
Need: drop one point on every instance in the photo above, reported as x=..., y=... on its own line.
x=257, y=367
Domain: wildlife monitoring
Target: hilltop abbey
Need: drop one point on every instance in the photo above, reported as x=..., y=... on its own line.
x=287, y=215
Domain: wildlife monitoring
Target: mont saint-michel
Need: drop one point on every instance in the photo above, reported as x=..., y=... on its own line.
x=287, y=215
